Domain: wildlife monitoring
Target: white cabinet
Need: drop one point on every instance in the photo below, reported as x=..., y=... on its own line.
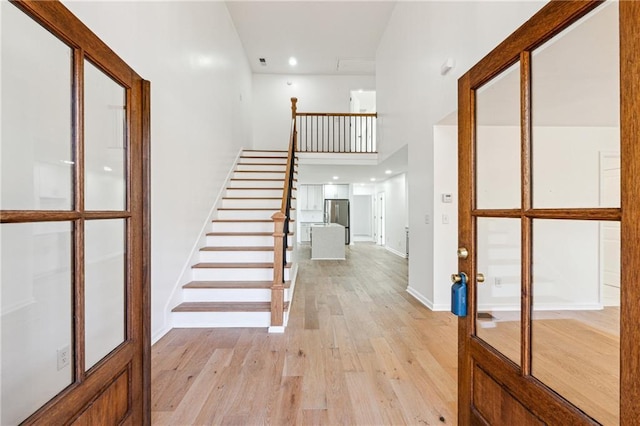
x=305, y=235
x=336, y=191
x=310, y=197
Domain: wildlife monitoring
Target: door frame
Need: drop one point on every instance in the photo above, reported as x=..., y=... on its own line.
x=518, y=382
x=133, y=356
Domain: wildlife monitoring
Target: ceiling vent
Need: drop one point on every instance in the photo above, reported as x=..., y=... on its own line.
x=263, y=62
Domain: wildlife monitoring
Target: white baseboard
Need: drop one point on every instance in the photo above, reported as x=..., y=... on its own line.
x=276, y=329
x=160, y=334
x=396, y=252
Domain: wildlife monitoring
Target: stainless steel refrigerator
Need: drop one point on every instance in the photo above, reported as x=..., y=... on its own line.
x=337, y=211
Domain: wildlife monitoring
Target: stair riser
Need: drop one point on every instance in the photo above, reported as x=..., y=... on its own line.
x=235, y=274
x=256, y=183
x=262, y=167
x=242, y=227
x=231, y=295
x=241, y=241
x=227, y=295
x=258, y=175
x=253, y=160
x=251, y=203
x=221, y=319
x=238, y=256
x=246, y=214
x=258, y=153
x=253, y=193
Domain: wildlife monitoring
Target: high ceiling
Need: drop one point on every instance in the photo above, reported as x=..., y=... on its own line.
x=326, y=37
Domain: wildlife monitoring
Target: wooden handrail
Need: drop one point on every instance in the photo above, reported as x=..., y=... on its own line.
x=281, y=221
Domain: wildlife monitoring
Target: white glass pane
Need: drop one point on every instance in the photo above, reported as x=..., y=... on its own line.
x=498, y=142
x=104, y=287
x=36, y=316
x=576, y=313
x=104, y=139
x=576, y=115
x=36, y=154
x=499, y=254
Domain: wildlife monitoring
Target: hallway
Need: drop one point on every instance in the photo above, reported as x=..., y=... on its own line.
x=358, y=350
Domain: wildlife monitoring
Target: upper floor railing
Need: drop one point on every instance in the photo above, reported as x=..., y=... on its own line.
x=336, y=132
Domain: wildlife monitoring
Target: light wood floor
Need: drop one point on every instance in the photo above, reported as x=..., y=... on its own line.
x=358, y=350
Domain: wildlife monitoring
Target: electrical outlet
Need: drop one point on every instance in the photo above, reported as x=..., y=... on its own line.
x=497, y=281
x=64, y=357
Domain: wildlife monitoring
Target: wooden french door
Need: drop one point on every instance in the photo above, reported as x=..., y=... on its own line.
x=75, y=224
x=549, y=165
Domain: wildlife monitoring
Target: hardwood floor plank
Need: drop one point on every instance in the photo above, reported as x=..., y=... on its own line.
x=355, y=352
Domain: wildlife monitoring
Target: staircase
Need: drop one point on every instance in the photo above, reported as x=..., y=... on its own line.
x=231, y=283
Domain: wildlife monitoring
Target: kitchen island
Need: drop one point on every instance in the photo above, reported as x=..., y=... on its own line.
x=327, y=241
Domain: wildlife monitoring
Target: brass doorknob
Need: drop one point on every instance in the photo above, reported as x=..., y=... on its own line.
x=480, y=278
x=463, y=253
x=456, y=278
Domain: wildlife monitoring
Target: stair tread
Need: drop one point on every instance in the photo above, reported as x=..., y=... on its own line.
x=264, y=150
x=254, y=198
x=273, y=209
x=260, y=171
x=225, y=307
x=240, y=248
x=261, y=164
x=257, y=188
x=261, y=179
x=240, y=265
x=241, y=234
x=233, y=284
x=247, y=220
x=281, y=157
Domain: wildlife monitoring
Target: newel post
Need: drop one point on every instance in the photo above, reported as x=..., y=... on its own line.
x=294, y=108
x=277, y=288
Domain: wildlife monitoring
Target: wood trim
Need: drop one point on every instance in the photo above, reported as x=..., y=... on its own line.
x=549, y=21
x=53, y=15
x=611, y=214
x=527, y=388
x=21, y=216
x=82, y=393
x=146, y=252
x=630, y=228
x=526, y=253
x=465, y=239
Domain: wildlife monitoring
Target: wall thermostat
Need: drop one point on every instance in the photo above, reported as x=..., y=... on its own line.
x=447, y=198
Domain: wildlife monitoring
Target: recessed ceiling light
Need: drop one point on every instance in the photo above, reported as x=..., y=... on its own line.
x=387, y=172
x=293, y=61
x=372, y=179
x=336, y=178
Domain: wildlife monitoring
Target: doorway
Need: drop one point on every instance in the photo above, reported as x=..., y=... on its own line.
x=75, y=224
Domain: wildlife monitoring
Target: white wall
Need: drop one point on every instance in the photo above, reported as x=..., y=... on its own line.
x=200, y=116
x=412, y=97
x=316, y=93
x=445, y=235
x=396, y=209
